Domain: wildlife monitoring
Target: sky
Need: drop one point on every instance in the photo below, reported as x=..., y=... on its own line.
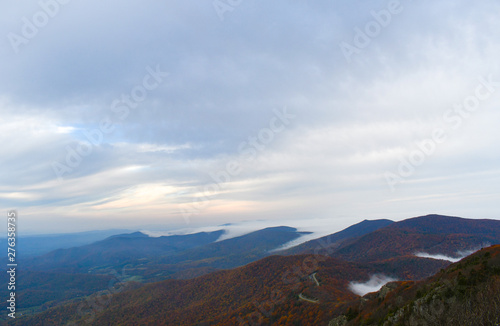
x=175, y=114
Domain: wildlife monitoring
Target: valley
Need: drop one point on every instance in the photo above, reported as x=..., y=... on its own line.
x=195, y=279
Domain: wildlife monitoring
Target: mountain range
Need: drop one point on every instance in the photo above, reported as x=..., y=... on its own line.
x=197, y=280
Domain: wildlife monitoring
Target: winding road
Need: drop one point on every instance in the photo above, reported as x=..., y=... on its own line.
x=302, y=297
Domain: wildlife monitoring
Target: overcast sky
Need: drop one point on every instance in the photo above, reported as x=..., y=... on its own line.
x=181, y=113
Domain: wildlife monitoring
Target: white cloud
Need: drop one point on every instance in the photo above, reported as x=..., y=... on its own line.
x=65, y=129
x=315, y=227
x=459, y=256
x=374, y=284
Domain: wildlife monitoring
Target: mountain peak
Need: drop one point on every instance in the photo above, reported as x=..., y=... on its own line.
x=137, y=234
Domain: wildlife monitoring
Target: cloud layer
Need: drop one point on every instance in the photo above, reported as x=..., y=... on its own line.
x=375, y=283
x=459, y=256
x=161, y=113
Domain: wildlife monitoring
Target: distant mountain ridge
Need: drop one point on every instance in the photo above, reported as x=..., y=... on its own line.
x=35, y=245
x=258, y=242
x=431, y=233
x=164, y=256
x=327, y=243
x=396, y=243
x=442, y=224
x=310, y=287
x=117, y=250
